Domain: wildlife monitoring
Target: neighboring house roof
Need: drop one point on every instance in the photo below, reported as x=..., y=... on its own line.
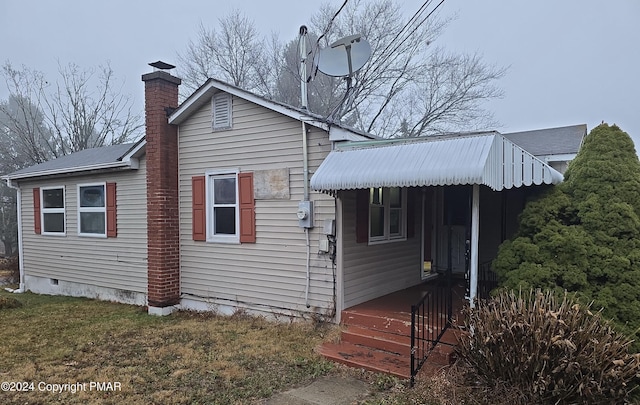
x=202, y=96
x=106, y=157
x=550, y=141
x=478, y=158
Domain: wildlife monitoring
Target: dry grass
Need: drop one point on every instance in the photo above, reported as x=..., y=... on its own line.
x=183, y=358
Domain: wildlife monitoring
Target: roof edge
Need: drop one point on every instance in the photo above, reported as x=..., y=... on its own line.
x=135, y=151
x=207, y=89
x=132, y=163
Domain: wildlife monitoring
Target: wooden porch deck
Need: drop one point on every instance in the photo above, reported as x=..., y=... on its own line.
x=398, y=304
x=377, y=333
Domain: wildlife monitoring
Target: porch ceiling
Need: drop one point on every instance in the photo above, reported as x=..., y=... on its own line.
x=480, y=158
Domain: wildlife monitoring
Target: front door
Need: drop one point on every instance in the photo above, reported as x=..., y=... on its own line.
x=453, y=235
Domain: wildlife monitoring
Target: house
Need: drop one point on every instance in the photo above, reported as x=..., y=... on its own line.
x=554, y=146
x=235, y=201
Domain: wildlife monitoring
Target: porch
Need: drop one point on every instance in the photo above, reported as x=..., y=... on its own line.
x=407, y=209
x=377, y=335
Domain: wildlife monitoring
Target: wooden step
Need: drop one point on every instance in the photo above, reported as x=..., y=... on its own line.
x=375, y=339
x=387, y=324
x=367, y=358
x=442, y=355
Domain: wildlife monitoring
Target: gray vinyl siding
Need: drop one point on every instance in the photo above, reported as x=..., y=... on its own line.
x=270, y=273
x=371, y=271
x=119, y=263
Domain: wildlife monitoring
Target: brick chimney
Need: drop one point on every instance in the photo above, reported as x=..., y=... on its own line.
x=163, y=244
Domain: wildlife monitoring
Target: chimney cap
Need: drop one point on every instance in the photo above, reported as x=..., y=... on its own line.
x=161, y=65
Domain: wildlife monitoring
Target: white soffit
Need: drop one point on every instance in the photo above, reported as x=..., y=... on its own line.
x=484, y=158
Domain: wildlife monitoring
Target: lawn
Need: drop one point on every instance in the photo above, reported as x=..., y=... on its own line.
x=108, y=353
x=182, y=358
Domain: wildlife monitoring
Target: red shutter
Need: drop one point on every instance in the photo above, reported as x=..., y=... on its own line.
x=199, y=206
x=362, y=215
x=112, y=229
x=36, y=210
x=247, y=208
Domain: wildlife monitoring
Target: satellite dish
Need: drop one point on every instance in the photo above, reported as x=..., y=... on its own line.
x=344, y=57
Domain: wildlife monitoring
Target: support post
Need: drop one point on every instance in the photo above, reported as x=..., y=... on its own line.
x=475, y=233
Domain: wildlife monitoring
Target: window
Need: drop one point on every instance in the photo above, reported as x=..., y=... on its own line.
x=387, y=214
x=221, y=111
x=92, y=210
x=222, y=207
x=53, y=213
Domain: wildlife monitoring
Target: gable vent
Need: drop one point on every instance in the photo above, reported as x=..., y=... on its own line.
x=221, y=111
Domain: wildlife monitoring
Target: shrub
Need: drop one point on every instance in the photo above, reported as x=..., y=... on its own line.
x=548, y=349
x=583, y=235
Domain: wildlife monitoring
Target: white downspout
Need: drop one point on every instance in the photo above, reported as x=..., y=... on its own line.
x=20, y=259
x=475, y=233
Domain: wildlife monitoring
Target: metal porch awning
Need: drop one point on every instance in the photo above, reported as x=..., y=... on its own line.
x=486, y=158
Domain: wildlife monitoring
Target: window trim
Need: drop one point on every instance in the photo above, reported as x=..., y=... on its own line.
x=387, y=237
x=229, y=104
x=62, y=210
x=92, y=209
x=210, y=226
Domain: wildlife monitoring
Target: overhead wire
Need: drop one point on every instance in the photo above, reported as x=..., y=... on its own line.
x=407, y=24
x=403, y=31
x=423, y=20
x=326, y=30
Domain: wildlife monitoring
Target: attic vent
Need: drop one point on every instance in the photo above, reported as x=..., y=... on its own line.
x=221, y=111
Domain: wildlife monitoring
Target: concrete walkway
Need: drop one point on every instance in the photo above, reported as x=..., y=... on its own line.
x=330, y=390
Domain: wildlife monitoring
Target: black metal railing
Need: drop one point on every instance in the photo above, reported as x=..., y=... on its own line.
x=430, y=318
x=487, y=280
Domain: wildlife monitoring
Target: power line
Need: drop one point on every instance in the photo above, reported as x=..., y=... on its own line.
x=331, y=22
x=414, y=18
x=422, y=21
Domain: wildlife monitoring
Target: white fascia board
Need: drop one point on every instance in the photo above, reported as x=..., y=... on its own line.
x=566, y=157
x=135, y=152
x=341, y=134
x=110, y=165
x=204, y=94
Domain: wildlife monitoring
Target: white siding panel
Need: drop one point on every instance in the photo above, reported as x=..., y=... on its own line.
x=371, y=271
x=119, y=263
x=271, y=272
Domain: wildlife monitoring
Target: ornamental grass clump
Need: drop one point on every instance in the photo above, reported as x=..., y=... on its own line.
x=548, y=349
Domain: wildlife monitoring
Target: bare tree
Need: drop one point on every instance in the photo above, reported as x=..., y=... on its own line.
x=82, y=117
x=79, y=111
x=8, y=219
x=404, y=69
x=40, y=121
x=447, y=97
x=26, y=139
x=235, y=52
x=407, y=88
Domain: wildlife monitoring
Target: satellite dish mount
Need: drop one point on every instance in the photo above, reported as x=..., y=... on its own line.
x=343, y=58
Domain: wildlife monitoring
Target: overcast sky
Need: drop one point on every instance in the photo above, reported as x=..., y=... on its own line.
x=570, y=61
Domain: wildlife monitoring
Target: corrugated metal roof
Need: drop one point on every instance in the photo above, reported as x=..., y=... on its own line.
x=550, y=141
x=485, y=158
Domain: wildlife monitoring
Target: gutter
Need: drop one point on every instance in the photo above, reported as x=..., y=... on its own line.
x=20, y=259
